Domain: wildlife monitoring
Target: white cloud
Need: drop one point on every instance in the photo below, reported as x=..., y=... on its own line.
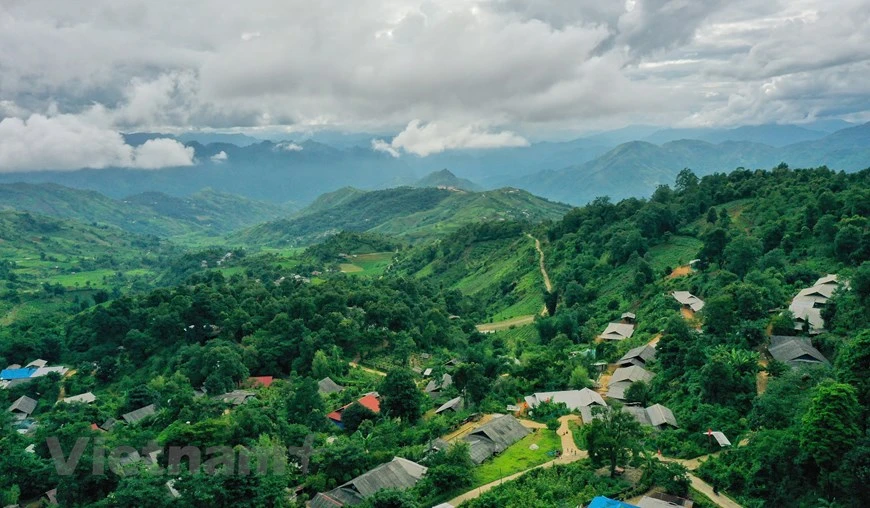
x=376, y=64
x=379, y=145
x=435, y=137
x=162, y=153
x=68, y=142
x=289, y=146
x=219, y=157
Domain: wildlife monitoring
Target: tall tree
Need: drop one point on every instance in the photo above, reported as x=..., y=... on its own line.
x=400, y=397
x=612, y=438
x=831, y=424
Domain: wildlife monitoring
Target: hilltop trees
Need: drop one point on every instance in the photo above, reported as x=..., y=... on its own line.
x=612, y=437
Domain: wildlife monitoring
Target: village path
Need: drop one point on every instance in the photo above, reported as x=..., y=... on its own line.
x=507, y=323
x=366, y=369
x=547, y=282
x=700, y=485
x=569, y=447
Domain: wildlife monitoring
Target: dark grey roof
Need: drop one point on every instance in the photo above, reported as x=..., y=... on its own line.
x=434, y=386
x=139, y=414
x=631, y=374
x=399, y=473
x=327, y=385
x=108, y=424
x=574, y=399
x=795, y=351
x=454, y=404
x=23, y=404
x=494, y=437
x=236, y=397
x=637, y=356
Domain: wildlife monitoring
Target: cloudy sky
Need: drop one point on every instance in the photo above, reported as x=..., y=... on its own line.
x=444, y=74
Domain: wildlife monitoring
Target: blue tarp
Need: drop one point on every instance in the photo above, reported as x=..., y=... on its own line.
x=9, y=374
x=606, y=502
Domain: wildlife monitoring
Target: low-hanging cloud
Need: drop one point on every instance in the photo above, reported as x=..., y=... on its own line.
x=219, y=157
x=435, y=137
x=69, y=142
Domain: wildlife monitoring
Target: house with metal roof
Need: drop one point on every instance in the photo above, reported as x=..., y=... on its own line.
x=17, y=373
x=84, y=398
x=617, y=331
x=688, y=300
x=455, y=404
x=606, y=502
x=806, y=305
x=23, y=407
x=139, y=414
x=795, y=351
x=494, y=437
x=398, y=474
x=236, y=397
x=370, y=400
x=623, y=377
x=435, y=386
x=327, y=385
x=638, y=356
x=574, y=399
x=657, y=416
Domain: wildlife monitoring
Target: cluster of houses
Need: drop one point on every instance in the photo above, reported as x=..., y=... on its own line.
x=807, y=305
x=15, y=374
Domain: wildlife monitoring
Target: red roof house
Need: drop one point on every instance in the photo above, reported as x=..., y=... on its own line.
x=264, y=381
x=369, y=400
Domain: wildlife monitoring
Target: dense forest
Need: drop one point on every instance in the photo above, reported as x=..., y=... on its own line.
x=745, y=242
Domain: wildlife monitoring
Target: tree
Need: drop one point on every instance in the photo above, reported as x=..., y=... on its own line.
x=612, y=437
x=400, y=397
x=714, y=246
x=638, y=392
x=861, y=281
x=847, y=242
x=742, y=253
x=831, y=425
x=853, y=364
x=354, y=415
x=711, y=215
x=320, y=366
x=389, y=498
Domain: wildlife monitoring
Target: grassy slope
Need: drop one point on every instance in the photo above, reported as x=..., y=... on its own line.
x=519, y=457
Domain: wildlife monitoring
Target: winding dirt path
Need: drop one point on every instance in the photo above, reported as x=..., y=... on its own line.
x=366, y=369
x=547, y=282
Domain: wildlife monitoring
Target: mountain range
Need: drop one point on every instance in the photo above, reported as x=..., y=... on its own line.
x=621, y=163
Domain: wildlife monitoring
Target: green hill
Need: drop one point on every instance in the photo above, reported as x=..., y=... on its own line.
x=414, y=214
x=206, y=212
x=445, y=178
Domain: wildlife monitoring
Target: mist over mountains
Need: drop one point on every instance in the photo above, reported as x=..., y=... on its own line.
x=626, y=162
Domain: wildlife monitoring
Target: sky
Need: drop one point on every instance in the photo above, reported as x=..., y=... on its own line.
x=442, y=75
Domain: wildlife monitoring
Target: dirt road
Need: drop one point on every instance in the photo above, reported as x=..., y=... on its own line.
x=507, y=323
x=544, y=274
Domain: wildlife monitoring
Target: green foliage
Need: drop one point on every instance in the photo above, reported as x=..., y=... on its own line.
x=612, y=438
x=400, y=397
x=831, y=424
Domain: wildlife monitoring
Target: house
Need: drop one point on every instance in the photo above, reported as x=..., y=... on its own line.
x=434, y=386
x=623, y=377
x=264, y=381
x=23, y=407
x=638, y=356
x=370, y=400
x=85, y=398
x=795, y=351
x=108, y=424
x=139, y=414
x=588, y=414
x=806, y=306
x=398, y=474
x=494, y=437
x=14, y=373
x=39, y=362
x=44, y=371
x=574, y=399
x=719, y=437
x=606, y=502
x=617, y=331
x=657, y=416
x=688, y=300
x=235, y=397
x=455, y=404
x=628, y=317
x=427, y=372
x=327, y=385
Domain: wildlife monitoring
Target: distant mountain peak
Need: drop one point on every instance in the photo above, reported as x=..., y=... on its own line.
x=445, y=178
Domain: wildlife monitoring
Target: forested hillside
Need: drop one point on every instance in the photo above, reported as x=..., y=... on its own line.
x=232, y=355
x=205, y=213
x=412, y=213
